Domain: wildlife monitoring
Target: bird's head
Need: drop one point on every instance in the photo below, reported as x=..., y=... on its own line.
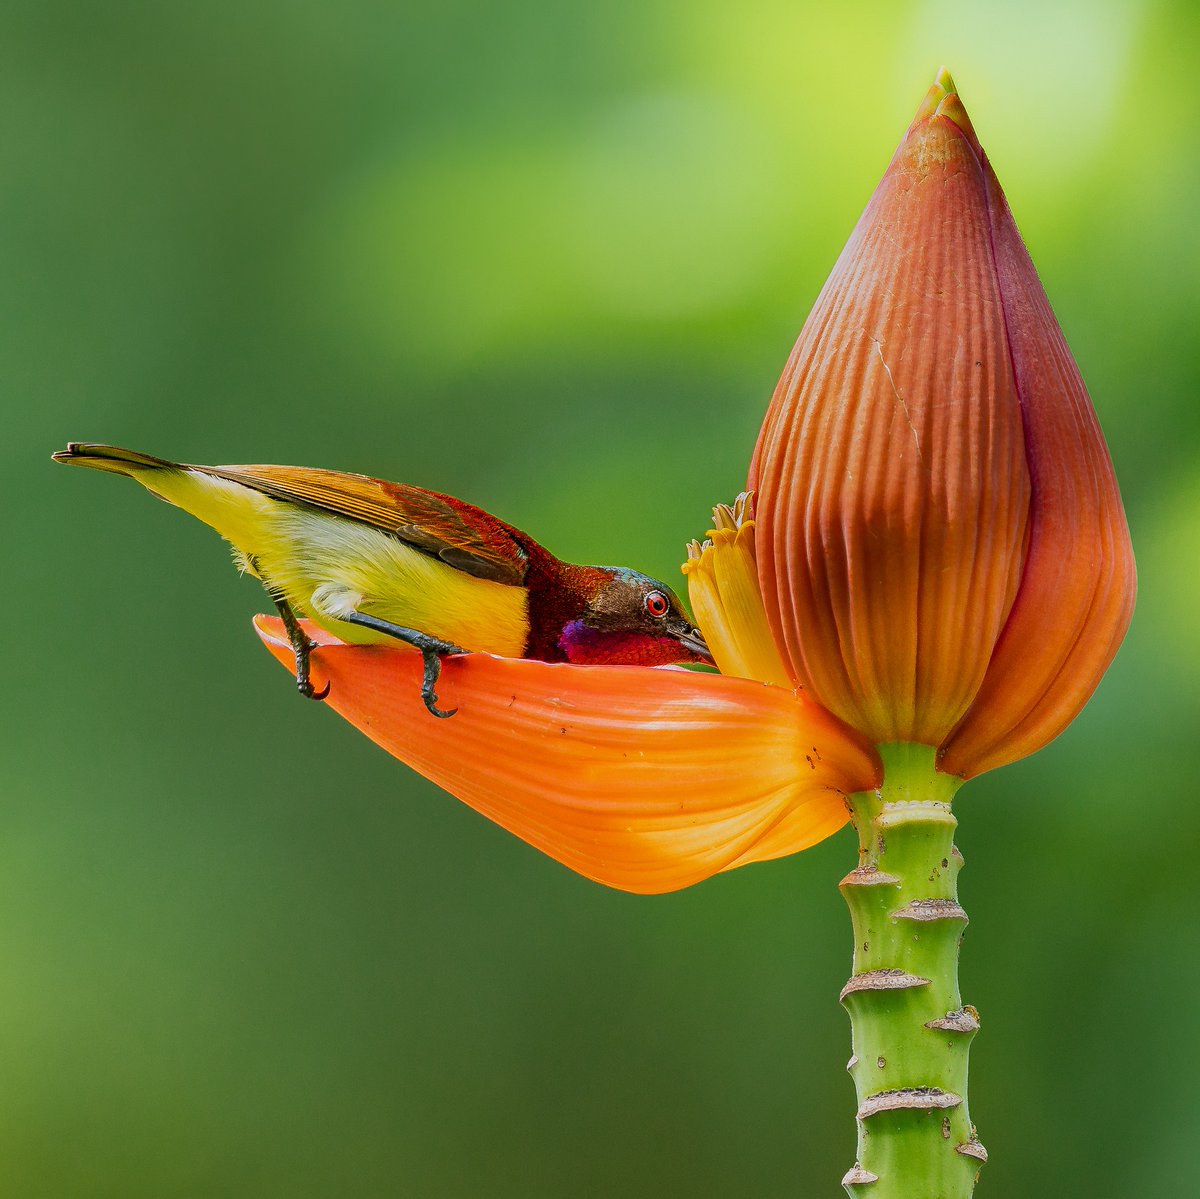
x=629, y=618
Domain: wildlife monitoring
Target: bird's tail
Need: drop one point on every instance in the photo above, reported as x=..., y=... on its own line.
x=231, y=508
x=111, y=458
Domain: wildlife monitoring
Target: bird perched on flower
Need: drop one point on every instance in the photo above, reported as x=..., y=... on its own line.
x=936, y=555
x=372, y=562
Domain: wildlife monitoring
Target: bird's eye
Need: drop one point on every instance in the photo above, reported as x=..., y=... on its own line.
x=657, y=604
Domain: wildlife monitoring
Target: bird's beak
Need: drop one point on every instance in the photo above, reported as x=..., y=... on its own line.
x=693, y=639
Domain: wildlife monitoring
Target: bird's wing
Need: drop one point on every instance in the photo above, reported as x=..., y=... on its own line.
x=461, y=535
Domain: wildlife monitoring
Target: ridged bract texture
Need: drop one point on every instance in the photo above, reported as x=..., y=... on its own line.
x=941, y=546
x=1079, y=579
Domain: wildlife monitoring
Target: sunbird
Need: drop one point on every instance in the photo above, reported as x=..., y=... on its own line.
x=371, y=561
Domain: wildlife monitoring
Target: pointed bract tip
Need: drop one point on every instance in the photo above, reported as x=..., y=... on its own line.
x=952, y=108
x=943, y=100
x=942, y=86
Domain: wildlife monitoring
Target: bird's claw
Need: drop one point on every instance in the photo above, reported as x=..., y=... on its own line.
x=303, y=682
x=431, y=706
x=305, y=687
x=433, y=670
x=302, y=647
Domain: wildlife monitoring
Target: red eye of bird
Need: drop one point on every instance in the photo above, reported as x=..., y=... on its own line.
x=657, y=604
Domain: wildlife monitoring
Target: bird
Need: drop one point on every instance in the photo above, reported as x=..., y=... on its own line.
x=372, y=562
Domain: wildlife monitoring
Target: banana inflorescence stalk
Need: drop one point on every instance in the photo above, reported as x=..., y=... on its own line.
x=911, y=1030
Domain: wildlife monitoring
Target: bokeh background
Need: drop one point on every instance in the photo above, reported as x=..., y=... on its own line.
x=549, y=258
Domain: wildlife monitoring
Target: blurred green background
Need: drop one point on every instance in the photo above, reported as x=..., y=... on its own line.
x=551, y=259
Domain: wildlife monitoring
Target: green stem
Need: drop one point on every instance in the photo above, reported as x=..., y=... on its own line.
x=911, y=1032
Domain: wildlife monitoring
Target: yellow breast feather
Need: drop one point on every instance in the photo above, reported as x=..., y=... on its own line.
x=326, y=565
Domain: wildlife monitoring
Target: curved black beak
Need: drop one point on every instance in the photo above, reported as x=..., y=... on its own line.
x=691, y=638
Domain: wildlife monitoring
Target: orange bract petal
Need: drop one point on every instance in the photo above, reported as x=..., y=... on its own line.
x=644, y=779
x=892, y=489
x=1077, y=591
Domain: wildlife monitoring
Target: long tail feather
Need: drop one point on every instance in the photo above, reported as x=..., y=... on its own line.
x=110, y=458
x=232, y=508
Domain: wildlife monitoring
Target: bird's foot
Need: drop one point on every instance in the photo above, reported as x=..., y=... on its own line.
x=302, y=647
x=433, y=670
x=432, y=651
